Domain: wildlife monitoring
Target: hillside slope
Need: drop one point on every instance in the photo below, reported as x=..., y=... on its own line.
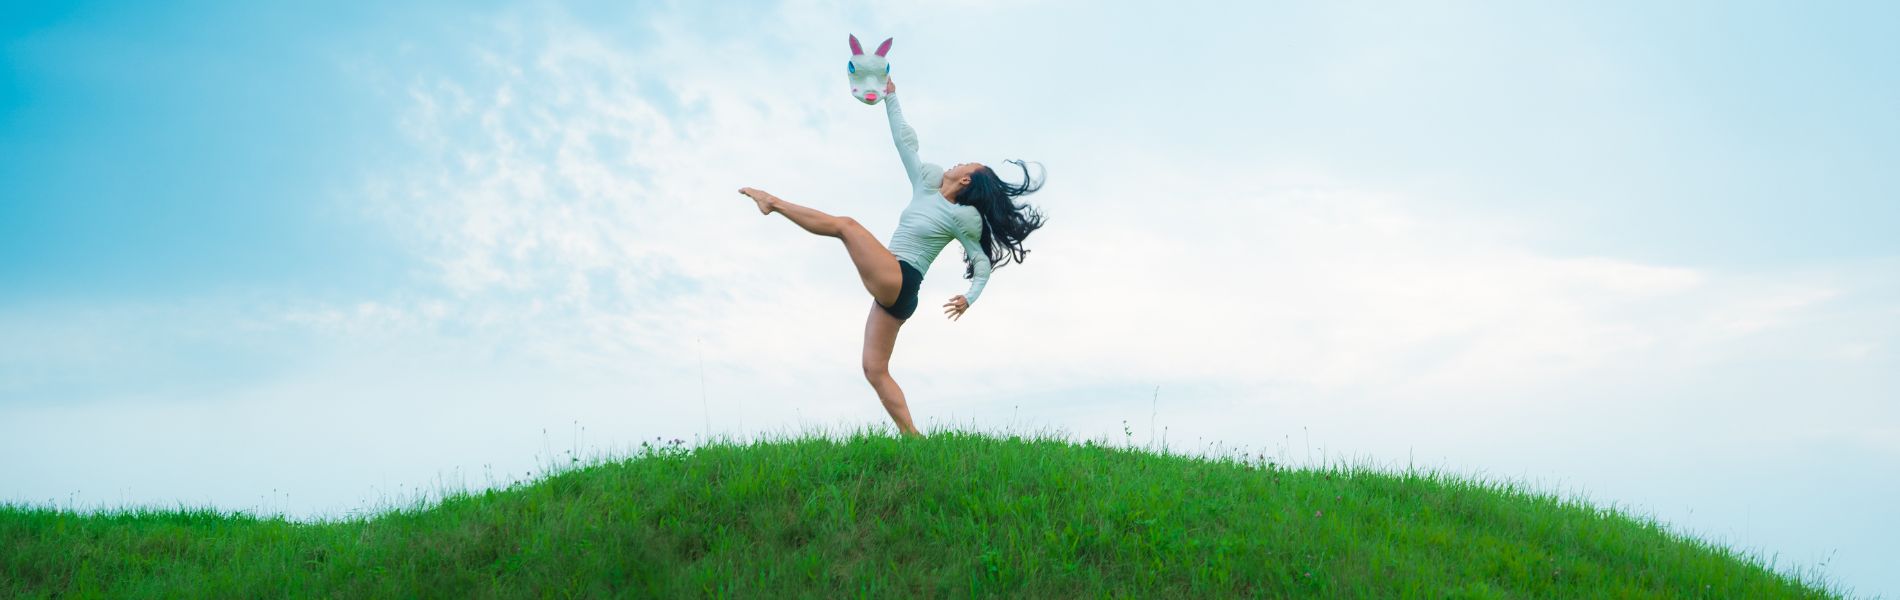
x=952, y=516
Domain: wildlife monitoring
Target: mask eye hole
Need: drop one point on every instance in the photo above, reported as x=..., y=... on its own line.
x=851, y=67
x=887, y=69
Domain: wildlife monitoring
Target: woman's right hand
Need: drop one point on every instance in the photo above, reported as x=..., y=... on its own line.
x=953, y=309
x=890, y=86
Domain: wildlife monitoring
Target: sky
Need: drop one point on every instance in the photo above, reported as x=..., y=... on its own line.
x=304, y=259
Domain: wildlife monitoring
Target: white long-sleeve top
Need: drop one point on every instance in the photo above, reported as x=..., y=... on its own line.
x=931, y=220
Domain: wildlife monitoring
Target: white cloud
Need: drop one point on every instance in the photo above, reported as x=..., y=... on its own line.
x=569, y=203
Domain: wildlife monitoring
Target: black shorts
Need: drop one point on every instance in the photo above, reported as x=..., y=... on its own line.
x=906, y=303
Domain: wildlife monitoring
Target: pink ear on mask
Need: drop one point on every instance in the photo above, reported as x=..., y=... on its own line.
x=855, y=48
x=882, y=48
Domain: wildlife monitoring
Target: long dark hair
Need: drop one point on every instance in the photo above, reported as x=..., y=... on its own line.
x=1005, y=223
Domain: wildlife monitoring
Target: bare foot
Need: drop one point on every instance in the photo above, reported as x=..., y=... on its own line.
x=763, y=199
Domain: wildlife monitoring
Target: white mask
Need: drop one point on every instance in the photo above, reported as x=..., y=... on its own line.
x=869, y=73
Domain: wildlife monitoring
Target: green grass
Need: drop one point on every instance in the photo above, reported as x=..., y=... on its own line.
x=956, y=515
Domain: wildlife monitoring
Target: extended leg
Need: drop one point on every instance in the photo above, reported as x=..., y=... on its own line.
x=876, y=266
x=880, y=338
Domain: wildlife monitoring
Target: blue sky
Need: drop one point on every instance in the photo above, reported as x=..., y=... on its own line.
x=336, y=252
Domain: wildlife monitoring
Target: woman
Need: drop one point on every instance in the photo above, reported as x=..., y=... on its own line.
x=968, y=203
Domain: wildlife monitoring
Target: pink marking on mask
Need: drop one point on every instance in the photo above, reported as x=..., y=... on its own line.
x=870, y=96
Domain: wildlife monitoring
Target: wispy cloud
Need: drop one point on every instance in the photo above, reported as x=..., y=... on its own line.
x=565, y=200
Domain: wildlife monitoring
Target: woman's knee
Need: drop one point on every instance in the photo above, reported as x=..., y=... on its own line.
x=876, y=370
x=848, y=225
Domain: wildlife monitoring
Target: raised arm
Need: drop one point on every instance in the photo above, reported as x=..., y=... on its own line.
x=906, y=140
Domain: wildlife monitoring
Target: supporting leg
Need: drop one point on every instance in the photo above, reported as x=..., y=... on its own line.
x=880, y=338
x=877, y=267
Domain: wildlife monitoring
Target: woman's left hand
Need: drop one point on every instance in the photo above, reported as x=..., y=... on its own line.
x=955, y=307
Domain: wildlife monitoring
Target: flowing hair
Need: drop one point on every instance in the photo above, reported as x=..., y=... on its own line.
x=1005, y=223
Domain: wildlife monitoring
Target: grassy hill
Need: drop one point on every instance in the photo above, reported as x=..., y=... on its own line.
x=951, y=516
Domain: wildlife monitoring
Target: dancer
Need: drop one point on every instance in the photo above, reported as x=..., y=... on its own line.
x=967, y=203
